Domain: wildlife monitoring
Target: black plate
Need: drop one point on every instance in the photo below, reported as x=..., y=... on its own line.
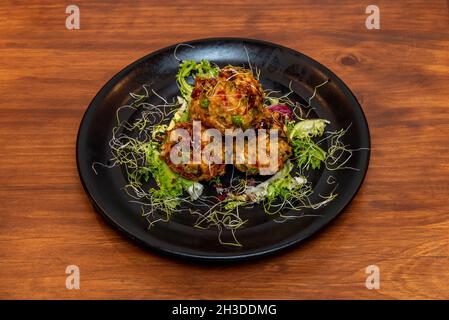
x=279, y=67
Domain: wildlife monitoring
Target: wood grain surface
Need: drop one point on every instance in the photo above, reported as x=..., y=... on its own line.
x=399, y=220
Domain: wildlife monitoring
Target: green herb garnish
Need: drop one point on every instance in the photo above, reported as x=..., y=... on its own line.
x=237, y=120
x=306, y=151
x=204, y=103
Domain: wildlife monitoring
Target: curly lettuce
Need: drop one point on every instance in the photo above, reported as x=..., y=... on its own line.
x=189, y=68
x=279, y=185
x=170, y=184
x=306, y=151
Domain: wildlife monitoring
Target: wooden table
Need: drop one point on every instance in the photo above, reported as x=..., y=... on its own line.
x=399, y=220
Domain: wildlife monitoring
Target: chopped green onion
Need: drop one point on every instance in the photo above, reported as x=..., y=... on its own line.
x=237, y=120
x=204, y=103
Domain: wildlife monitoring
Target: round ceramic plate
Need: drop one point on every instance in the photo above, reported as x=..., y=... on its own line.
x=280, y=68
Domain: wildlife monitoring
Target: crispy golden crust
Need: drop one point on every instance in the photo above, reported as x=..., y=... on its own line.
x=233, y=99
x=269, y=120
x=196, y=172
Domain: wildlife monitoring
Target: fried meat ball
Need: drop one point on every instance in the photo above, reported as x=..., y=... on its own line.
x=233, y=99
x=268, y=120
x=190, y=171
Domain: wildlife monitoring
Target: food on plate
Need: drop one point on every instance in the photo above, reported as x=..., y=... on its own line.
x=181, y=149
x=267, y=120
x=234, y=98
x=173, y=152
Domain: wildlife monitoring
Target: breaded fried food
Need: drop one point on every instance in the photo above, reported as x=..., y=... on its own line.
x=233, y=99
x=268, y=120
x=190, y=171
